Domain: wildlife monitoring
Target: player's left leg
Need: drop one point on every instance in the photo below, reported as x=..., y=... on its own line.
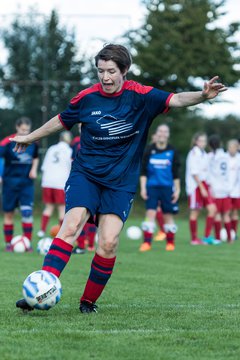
x=8, y=228
x=26, y=207
x=170, y=229
x=110, y=226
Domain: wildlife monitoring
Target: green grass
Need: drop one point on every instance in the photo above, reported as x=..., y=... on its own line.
x=157, y=305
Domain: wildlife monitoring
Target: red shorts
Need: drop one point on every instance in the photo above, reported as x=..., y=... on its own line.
x=53, y=196
x=197, y=201
x=223, y=205
x=235, y=203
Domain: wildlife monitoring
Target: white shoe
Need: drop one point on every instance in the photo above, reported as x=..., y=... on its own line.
x=40, y=233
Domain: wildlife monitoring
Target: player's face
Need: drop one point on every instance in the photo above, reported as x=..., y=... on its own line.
x=110, y=76
x=23, y=129
x=232, y=148
x=201, y=142
x=162, y=134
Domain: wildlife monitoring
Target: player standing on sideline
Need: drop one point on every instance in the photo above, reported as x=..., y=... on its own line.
x=197, y=188
x=115, y=115
x=55, y=168
x=219, y=185
x=160, y=183
x=20, y=169
x=234, y=182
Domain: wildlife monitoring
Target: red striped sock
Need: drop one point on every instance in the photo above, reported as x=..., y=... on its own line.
x=91, y=234
x=81, y=239
x=101, y=270
x=57, y=256
x=147, y=236
x=27, y=230
x=8, y=232
x=170, y=237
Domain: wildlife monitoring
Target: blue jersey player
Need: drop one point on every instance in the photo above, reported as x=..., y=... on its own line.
x=160, y=185
x=115, y=115
x=20, y=170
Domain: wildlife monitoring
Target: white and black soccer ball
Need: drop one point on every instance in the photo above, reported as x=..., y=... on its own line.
x=223, y=235
x=134, y=233
x=42, y=290
x=20, y=244
x=44, y=245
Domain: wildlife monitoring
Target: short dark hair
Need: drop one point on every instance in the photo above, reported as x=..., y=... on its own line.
x=23, y=120
x=117, y=53
x=214, y=142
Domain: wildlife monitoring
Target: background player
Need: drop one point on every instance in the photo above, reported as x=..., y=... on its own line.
x=234, y=183
x=219, y=185
x=160, y=183
x=55, y=171
x=20, y=169
x=197, y=188
x=115, y=115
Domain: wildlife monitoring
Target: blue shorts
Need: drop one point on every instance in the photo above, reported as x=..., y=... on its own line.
x=16, y=194
x=161, y=196
x=82, y=192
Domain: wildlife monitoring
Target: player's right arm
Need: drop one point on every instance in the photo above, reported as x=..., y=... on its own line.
x=201, y=186
x=47, y=129
x=143, y=187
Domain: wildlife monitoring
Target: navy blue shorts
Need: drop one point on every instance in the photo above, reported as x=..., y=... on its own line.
x=82, y=192
x=161, y=196
x=16, y=194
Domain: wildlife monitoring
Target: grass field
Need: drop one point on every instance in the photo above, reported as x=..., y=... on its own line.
x=157, y=305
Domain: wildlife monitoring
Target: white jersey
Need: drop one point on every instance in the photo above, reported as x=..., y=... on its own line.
x=234, y=175
x=196, y=164
x=56, y=166
x=219, y=174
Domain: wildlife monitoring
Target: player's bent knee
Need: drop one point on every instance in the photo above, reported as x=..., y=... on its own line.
x=27, y=213
x=148, y=226
x=170, y=228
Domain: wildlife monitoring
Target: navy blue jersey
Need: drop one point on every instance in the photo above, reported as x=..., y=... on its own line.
x=161, y=166
x=17, y=165
x=114, y=131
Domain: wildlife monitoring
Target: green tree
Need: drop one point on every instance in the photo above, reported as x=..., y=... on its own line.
x=179, y=43
x=42, y=71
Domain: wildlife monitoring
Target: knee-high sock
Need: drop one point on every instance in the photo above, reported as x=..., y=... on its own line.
x=101, y=270
x=81, y=239
x=147, y=236
x=209, y=225
x=91, y=234
x=228, y=229
x=57, y=256
x=193, y=229
x=8, y=232
x=27, y=230
x=217, y=226
x=170, y=237
x=44, y=222
x=160, y=221
x=234, y=225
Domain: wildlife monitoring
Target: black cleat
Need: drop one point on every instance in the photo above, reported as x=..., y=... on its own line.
x=78, y=250
x=87, y=307
x=22, y=304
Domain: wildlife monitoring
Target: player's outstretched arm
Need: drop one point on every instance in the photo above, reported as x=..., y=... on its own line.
x=210, y=90
x=50, y=127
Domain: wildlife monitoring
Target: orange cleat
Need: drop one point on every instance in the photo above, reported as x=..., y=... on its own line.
x=145, y=247
x=161, y=236
x=170, y=247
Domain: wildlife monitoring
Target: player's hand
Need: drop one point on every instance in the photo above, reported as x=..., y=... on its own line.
x=22, y=142
x=203, y=192
x=212, y=88
x=144, y=194
x=33, y=174
x=175, y=196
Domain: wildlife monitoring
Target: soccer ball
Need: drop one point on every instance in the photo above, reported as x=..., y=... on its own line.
x=223, y=234
x=134, y=233
x=20, y=243
x=44, y=245
x=54, y=230
x=42, y=290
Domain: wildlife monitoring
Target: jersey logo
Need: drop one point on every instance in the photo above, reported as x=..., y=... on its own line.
x=113, y=125
x=96, y=112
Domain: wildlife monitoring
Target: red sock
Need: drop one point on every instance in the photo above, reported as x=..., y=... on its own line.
x=147, y=236
x=209, y=225
x=170, y=237
x=228, y=229
x=57, y=256
x=193, y=228
x=101, y=270
x=160, y=220
x=91, y=234
x=27, y=230
x=234, y=225
x=217, y=226
x=44, y=222
x=8, y=232
x=81, y=239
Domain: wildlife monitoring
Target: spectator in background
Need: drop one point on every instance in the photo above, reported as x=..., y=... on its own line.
x=160, y=184
x=55, y=168
x=219, y=185
x=20, y=169
x=234, y=183
x=197, y=188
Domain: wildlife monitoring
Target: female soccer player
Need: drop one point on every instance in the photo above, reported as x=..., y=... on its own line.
x=115, y=115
